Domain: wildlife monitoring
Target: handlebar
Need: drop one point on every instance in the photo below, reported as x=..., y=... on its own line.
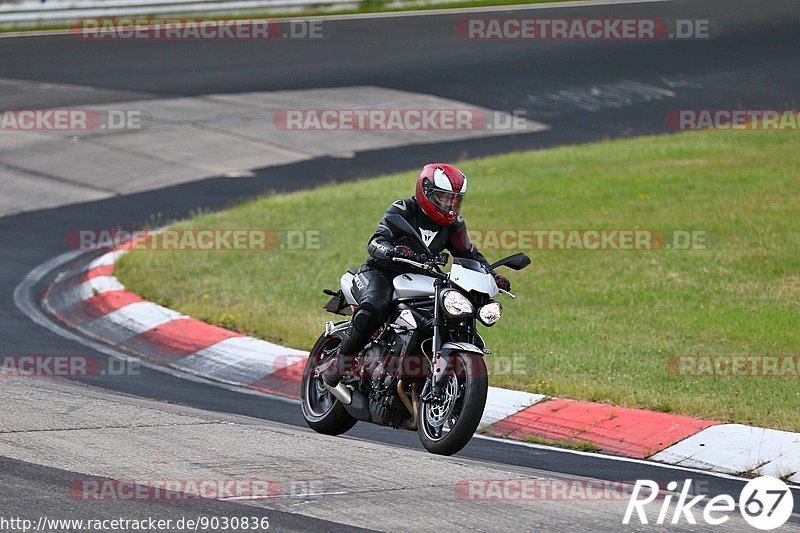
x=431, y=268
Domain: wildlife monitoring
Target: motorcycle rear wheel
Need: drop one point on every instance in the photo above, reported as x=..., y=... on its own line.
x=322, y=412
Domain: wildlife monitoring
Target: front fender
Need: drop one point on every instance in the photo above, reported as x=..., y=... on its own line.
x=449, y=347
x=442, y=360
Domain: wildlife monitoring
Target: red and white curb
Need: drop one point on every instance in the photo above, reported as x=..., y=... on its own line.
x=91, y=300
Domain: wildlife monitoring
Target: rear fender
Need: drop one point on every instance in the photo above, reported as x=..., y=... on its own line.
x=331, y=328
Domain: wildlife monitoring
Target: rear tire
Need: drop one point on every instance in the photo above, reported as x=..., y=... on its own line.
x=459, y=421
x=323, y=413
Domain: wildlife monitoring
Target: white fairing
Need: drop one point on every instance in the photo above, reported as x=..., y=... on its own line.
x=469, y=280
x=417, y=285
x=346, y=283
x=412, y=285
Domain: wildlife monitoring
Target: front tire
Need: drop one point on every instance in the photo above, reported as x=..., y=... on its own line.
x=446, y=427
x=323, y=413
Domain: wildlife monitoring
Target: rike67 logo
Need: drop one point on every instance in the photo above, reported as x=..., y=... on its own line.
x=765, y=503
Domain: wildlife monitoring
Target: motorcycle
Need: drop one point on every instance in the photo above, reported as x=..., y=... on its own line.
x=424, y=369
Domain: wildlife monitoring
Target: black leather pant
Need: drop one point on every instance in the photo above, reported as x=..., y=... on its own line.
x=372, y=289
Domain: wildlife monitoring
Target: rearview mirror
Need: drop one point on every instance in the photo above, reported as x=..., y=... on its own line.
x=514, y=262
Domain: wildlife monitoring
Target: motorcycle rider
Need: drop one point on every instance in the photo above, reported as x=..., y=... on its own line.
x=435, y=211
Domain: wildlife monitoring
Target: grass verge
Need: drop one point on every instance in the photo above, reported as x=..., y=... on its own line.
x=580, y=445
x=590, y=325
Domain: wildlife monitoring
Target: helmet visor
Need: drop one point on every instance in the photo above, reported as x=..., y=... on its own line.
x=447, y=201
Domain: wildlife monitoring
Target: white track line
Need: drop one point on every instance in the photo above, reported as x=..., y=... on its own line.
x=483, y=9
x=621, y=459
x=99, y=285
x=390, y=14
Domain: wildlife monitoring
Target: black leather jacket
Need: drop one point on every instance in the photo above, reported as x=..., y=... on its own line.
x=439, y=238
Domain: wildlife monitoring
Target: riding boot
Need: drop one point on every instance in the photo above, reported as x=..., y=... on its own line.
x=353, y=341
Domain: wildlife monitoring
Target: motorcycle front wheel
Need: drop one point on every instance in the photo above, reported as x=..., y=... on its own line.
x=447, y=425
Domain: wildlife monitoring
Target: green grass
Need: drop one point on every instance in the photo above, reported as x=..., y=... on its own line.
x=596, y=326
x=580, y=445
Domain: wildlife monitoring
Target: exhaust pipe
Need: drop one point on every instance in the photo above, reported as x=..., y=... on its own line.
x=412, y=408
x=340, y=392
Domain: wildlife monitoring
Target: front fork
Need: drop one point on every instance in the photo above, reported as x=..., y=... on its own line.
x=433, y=385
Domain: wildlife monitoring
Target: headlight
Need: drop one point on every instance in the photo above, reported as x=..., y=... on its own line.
x=456, y=304
x=490, y=312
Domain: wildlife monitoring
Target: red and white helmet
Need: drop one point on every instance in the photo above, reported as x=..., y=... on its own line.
x=440, y=192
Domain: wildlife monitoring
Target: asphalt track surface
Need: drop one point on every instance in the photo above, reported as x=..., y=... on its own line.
x=752, y=63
